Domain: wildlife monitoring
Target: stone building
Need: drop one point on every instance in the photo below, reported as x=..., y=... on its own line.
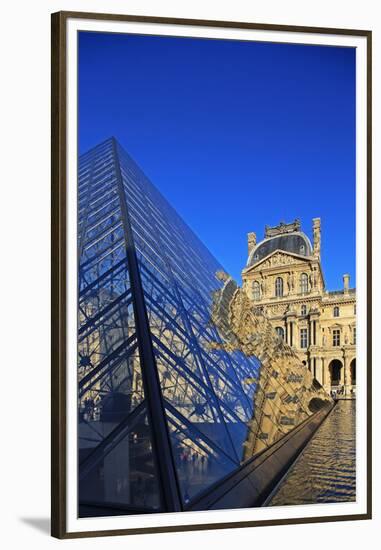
x=284, y=277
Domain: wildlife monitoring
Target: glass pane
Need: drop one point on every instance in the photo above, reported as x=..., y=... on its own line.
x=121, y=474
x=199, y=463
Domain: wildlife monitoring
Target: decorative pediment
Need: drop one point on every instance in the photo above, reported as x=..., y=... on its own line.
x=335, y=326
x=278, y=258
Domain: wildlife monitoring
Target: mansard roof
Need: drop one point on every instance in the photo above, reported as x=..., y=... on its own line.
x=295, y=242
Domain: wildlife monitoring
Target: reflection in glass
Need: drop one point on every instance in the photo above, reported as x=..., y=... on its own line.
x=148, y=287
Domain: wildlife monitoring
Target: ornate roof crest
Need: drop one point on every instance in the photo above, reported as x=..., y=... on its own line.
x=282, y=228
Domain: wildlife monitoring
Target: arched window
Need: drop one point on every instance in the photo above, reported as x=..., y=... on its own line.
x=336, y=311
x=303, y=310
x=256, y=291
x=279, y=287
x=280, y=332
x=304, y=283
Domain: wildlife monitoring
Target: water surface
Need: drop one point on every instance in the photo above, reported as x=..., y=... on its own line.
x=326, y=469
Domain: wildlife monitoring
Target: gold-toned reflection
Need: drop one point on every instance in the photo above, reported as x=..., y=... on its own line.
x=286, y=393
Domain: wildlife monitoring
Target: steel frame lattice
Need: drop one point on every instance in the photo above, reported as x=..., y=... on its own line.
x=163, y=417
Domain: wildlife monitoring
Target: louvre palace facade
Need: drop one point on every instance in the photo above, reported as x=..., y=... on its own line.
x=284, y=278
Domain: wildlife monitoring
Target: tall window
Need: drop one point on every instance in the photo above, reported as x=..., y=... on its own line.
x=354, y=335
x=336, y=311
x=279, y=287
x=280, y=332
x=336, y=337
x=256, y=291
x=304, y=283
x=303, y=310
x=303, y=338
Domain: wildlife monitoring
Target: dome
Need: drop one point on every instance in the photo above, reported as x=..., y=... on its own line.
x=295, y=242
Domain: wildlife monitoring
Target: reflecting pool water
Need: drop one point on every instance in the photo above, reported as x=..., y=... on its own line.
x=326, y=470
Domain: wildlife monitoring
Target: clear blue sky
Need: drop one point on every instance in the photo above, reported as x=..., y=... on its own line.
x=236, y=135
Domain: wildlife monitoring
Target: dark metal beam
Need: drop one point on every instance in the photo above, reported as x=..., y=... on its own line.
x=155, y=407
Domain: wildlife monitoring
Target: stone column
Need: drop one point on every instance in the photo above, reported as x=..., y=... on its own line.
x=310, y=338
x=317, y=328
x=314, y=330
x=347, y=375
x=324, y=374
x=319, y=370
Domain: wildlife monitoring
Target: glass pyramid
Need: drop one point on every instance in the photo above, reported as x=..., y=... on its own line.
x=163, y=416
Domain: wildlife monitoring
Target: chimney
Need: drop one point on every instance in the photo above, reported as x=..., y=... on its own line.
x=317, y=235
x=251, y=242
x=346, y=283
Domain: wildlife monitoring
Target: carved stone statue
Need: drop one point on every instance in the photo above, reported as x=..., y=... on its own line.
x=316, y=232
x=292, y=279
x=282, y=228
